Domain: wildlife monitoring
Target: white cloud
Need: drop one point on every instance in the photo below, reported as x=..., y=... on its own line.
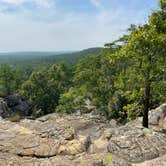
x=49, y=29
x=66, y=34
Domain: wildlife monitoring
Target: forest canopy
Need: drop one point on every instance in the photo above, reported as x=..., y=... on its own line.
x=123, y=80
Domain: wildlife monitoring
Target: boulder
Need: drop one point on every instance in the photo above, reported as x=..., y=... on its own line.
x=4, y=109
x=157, y=117
x=136, y=144
x=15, y=105
x=23, y=108
x=13, y=100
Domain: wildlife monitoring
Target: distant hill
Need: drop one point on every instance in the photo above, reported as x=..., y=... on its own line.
x=45, y=58
x=33, y=53
x=72, y=57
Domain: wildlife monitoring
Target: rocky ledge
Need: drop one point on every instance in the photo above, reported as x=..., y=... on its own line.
x=84, y=140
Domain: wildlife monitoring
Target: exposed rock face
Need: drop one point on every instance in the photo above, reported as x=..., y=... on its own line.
x=15, y=104
x=3, y=107
x=161, y=161
x=157, y=117
x=79, y=141
x=137, y=144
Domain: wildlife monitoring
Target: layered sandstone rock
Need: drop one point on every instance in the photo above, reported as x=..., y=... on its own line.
x=75, y=140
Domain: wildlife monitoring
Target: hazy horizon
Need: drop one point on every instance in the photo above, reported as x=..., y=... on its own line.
x=48, y=25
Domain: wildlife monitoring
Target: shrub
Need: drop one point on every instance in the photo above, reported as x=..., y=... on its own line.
x=15, y=118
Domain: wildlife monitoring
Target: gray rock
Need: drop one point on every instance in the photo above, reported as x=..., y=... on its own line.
x=113, y=123
x=136, y=144
x=4, y=110
x=13, y=100
x=47, y=117
x=160, y=161
x=157, y=116
x=79, y=141
x=15, y=104
x=154, y=118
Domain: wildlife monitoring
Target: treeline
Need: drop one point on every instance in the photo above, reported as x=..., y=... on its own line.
x=34, y=60
x=124, y=81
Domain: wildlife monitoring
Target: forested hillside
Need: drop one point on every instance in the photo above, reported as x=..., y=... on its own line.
x=122, y=81
x=36, y=59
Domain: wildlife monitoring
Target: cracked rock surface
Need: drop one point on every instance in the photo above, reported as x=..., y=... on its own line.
x=84, y=140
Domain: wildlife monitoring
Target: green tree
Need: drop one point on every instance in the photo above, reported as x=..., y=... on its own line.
x=146, y=49
x=71, y=101
x=93, y=85
x=162, y=4
x=45, y=86
x=6, y=79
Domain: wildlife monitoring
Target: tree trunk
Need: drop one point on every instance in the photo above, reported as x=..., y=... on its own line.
x=146, y=104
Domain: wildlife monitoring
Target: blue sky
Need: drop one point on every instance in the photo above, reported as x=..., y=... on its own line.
x=50, y=25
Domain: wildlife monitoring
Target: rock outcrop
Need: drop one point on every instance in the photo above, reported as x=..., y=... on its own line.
x=4, y=110
x=76, y=140
x=15, y=105
x=160, y=161
x=157, y=117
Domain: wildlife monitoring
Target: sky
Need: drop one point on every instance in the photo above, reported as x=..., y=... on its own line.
x=53, y=25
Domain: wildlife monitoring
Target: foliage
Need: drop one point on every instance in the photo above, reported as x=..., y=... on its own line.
x=93, y=86
x=10, y=80
x=71, y=101
x=127, y=76
x=162, y=4
x=148, y=50
x=122, y=81
x=109, y=159
x=36, y=59
x=45, y=86
x=15, y=118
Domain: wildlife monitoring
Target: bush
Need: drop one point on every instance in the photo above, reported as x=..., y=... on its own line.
x=71, y=102
x=15, y=118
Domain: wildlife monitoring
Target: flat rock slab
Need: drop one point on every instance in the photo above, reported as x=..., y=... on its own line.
x=78, y=141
